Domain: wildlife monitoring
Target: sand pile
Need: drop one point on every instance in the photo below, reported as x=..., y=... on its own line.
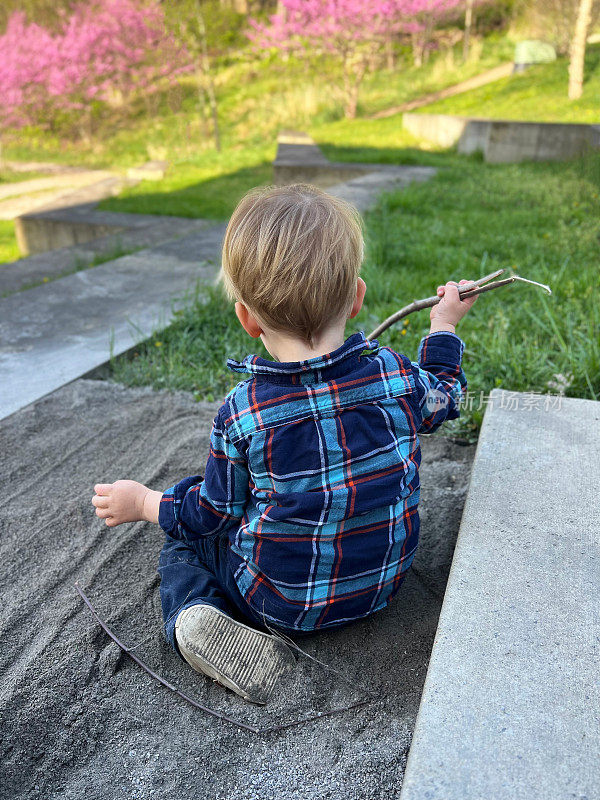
x=79, y=719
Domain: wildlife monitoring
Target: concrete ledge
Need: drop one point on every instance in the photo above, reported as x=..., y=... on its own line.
x=511, y=704
x=505, y=141
x=70, y=220
x=57, y=332
x=300, y=160
x=363, y=191
x=48, y=266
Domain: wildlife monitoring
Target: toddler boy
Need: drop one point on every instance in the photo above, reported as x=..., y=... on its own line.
x=306, y=517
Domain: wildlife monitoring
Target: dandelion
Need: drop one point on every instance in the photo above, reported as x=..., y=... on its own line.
x=157, y=344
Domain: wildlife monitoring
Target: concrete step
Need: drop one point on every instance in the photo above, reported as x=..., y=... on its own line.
x=362, y=190
x=67, y=181
x=300, y=159
x=62, y=330
x=136, y=231
x=511, y=705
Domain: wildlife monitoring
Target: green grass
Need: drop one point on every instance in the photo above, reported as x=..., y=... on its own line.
x=10, y=176
x=542, y=220
x=205, y=187
x=9, y=250
x=539, y=93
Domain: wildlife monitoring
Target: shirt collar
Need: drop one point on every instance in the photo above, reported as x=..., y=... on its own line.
x=256, y=365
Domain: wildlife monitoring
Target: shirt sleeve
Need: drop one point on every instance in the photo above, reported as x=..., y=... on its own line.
x=197, y=506
x=439, y=380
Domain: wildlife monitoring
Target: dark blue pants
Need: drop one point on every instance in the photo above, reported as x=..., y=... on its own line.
x=198, y=572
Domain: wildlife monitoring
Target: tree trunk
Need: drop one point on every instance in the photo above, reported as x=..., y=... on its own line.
x=582, y=24
x=199, y=87
x=389, y=53
x=207, y=74
x=354, y=73
x=417, y=49
x=201, y=101
x=468, y=26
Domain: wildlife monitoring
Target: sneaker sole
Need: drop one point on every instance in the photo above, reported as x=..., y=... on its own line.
x=244, y=660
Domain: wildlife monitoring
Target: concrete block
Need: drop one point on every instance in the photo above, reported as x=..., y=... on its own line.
x=511, y=704
x=441, y=129
x=38, y=234
x=69, y=220
x=475, y=136
x=512, y=142
x=505, y=141
x=508, y=142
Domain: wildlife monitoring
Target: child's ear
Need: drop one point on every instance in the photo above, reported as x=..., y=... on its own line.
x=361, y=288
x=248, y=321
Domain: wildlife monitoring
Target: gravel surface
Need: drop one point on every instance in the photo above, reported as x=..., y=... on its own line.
x=78, y=718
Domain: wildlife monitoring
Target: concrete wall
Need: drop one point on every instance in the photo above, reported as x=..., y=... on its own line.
x=38, y=234
x=505, y=141
x=323, y=175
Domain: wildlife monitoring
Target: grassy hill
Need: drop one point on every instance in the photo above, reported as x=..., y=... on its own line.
x=539, y=93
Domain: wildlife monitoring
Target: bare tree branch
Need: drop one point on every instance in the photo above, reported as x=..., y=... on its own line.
x=429, y=302
x=211, y=711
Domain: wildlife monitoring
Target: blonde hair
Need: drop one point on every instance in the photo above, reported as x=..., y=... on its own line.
x=292, y=255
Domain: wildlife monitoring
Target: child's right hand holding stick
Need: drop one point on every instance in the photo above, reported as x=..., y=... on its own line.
x=451, y=309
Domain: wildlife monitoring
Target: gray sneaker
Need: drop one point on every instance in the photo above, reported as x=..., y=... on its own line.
x=243, y=659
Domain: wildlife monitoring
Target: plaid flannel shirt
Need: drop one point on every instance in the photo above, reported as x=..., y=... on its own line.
x=313, y=472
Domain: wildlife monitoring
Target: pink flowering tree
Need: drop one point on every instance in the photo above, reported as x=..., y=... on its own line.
x=423, y=17
x=354, y=32
x=29, y=53
x=105, y=53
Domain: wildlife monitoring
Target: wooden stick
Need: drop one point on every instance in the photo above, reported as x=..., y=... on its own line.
x=250, y=728
x=429, y=302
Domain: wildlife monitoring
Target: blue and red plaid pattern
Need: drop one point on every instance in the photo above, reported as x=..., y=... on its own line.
x=314, y=472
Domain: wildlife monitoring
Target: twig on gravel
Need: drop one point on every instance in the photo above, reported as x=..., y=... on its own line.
x=211, y=711
x=467, y=291
x=291, y=643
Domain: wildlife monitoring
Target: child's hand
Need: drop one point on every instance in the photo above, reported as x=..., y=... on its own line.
x=125, y=501
x=451, y=309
